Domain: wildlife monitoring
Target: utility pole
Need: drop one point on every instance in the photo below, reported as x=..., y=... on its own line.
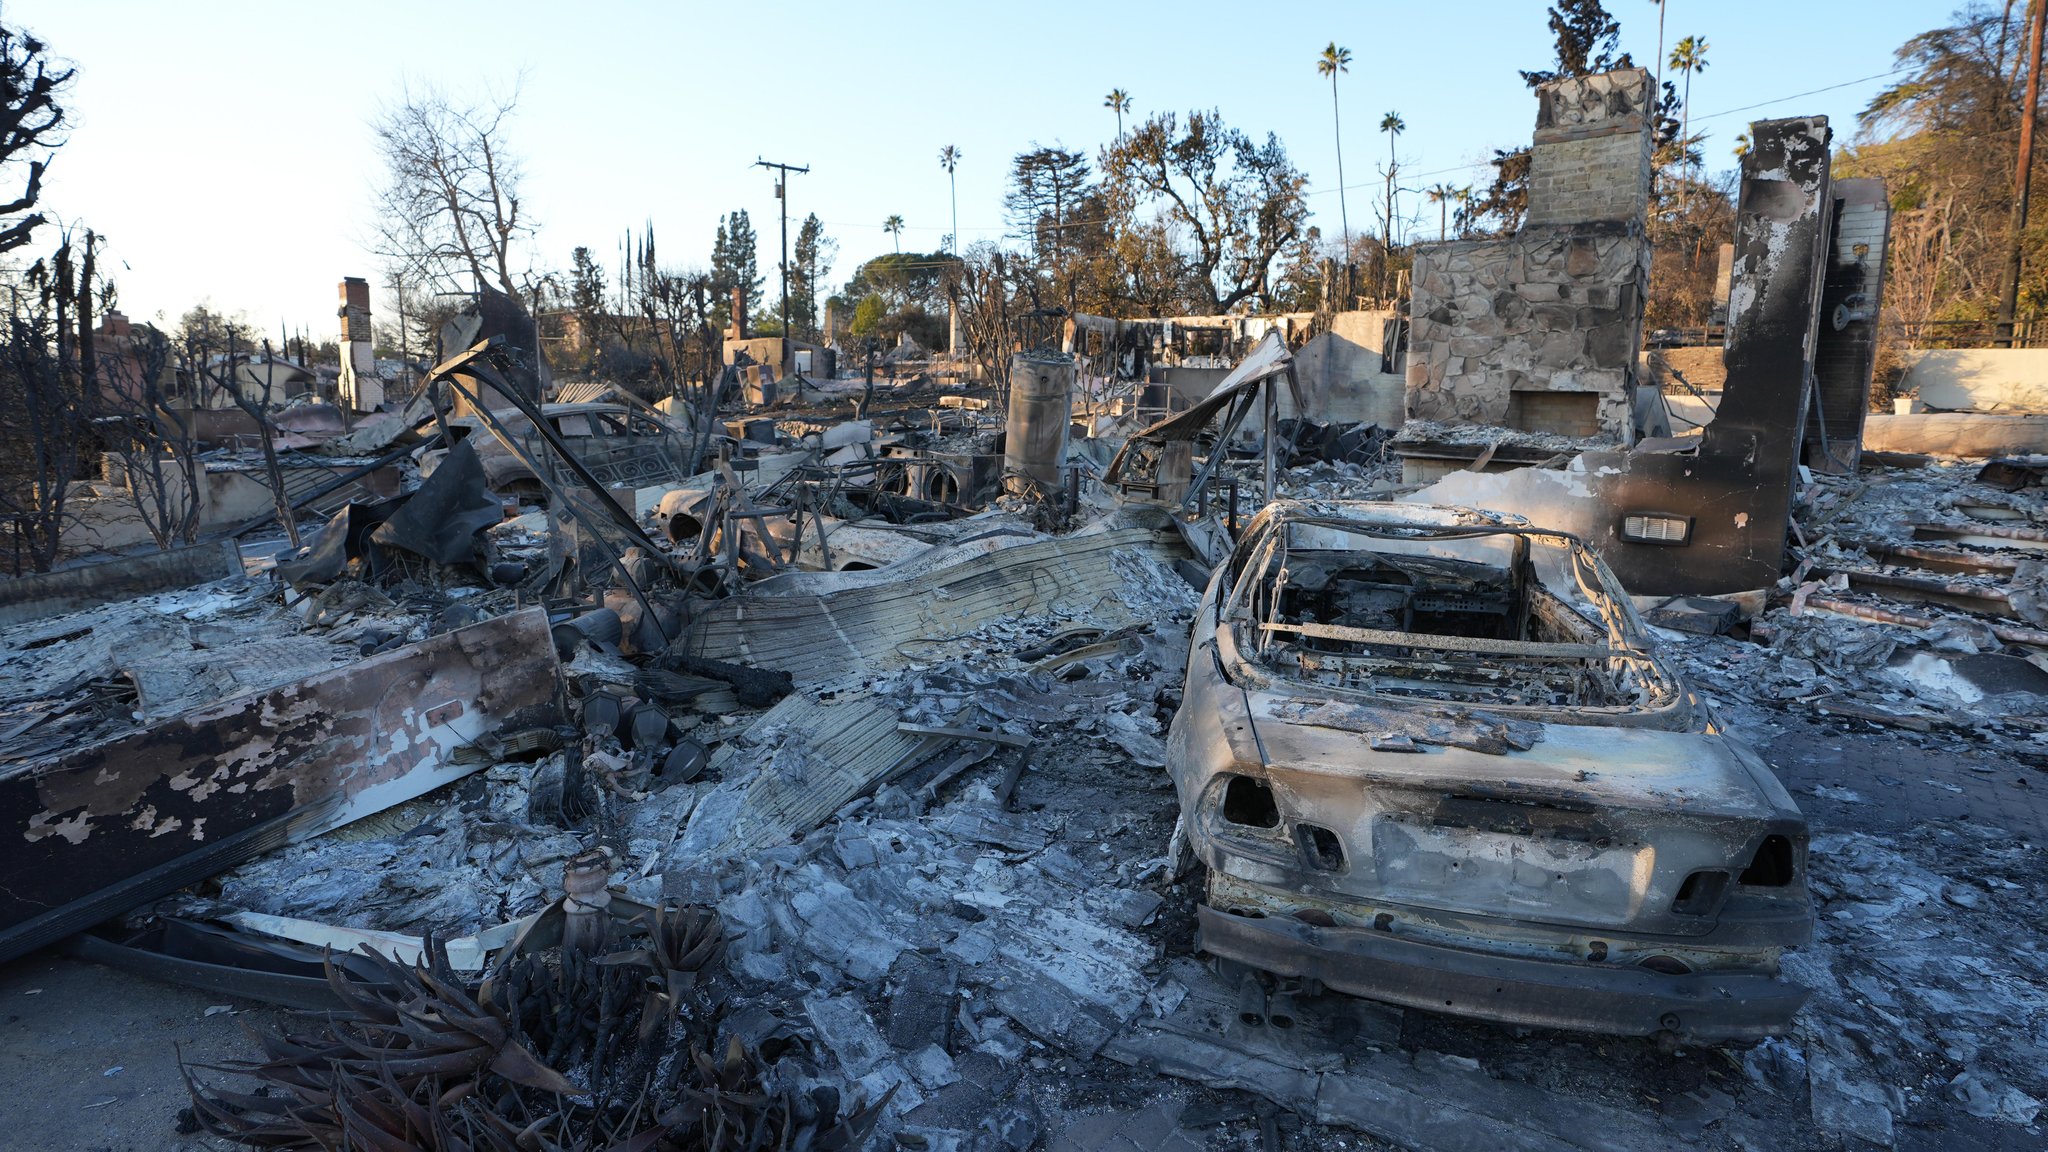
x=782, y=195
x=2023, y=179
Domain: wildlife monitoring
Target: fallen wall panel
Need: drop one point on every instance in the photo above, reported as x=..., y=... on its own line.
x=102, y=828
x=90, y=585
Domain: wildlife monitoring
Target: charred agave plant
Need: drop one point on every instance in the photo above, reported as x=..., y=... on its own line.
x=612, y=1012
x=418, y=1062
x=398, y=1068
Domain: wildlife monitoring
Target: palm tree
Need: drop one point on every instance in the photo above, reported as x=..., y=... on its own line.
x=1119, y=102
x=894, y=227
x=949, y=159
x=1688, y=56
x=1442, y=195
x=1393, y=126
x=1332, y=61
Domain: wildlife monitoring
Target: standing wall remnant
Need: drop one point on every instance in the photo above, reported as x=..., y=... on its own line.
x=1845, y=352
x=361, y=390
x=1712, y=519
x=1539, y=330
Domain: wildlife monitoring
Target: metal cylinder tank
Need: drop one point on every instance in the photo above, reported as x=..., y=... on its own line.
x=1041, y=403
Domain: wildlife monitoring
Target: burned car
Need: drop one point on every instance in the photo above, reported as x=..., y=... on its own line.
x=619, y=445
x=1430, y=757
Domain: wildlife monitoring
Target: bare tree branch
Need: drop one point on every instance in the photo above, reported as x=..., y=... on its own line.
x=449, y=208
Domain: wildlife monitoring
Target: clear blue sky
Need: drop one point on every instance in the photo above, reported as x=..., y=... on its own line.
x=223, y=146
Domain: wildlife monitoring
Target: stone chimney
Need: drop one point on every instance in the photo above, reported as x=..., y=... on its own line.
x=738, y=329
x=361, y=390
x=1539, y=331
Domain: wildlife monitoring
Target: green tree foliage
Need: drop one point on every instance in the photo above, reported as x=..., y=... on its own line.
x=1687, y=58
x=1298, y=280
x=1504, y=202
x=1046, y=186
x=1944, y=138
x=812, y=263
x=48, y=388
x=49, y=394
x=1064, y=217
x=1330, y=63
x=869, y=316
x=1233, y=203
x=586, y=286
x=1585, y=39
x=900, y=292
x=735, y=262
x=1119, y=102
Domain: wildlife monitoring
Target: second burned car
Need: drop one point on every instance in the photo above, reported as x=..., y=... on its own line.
x=1429, y=756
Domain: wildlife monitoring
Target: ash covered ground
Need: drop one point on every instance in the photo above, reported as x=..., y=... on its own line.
x=1016, y=964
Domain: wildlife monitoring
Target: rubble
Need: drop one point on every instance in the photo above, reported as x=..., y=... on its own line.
x=854, y=763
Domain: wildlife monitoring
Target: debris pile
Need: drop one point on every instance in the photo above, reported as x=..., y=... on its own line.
x=633, y=777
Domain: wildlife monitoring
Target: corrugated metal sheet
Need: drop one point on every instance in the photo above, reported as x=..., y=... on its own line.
x=822, y=639
x=817, y=756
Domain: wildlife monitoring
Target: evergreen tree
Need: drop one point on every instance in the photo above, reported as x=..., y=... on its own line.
x=586, y=287
x=1586, y=39
x=1045, y=186
x=812, y=263
x=734, y=260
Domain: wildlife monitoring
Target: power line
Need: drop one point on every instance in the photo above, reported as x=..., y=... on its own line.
x=1468, y=166
x=1797, y=95
x=782, y=198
